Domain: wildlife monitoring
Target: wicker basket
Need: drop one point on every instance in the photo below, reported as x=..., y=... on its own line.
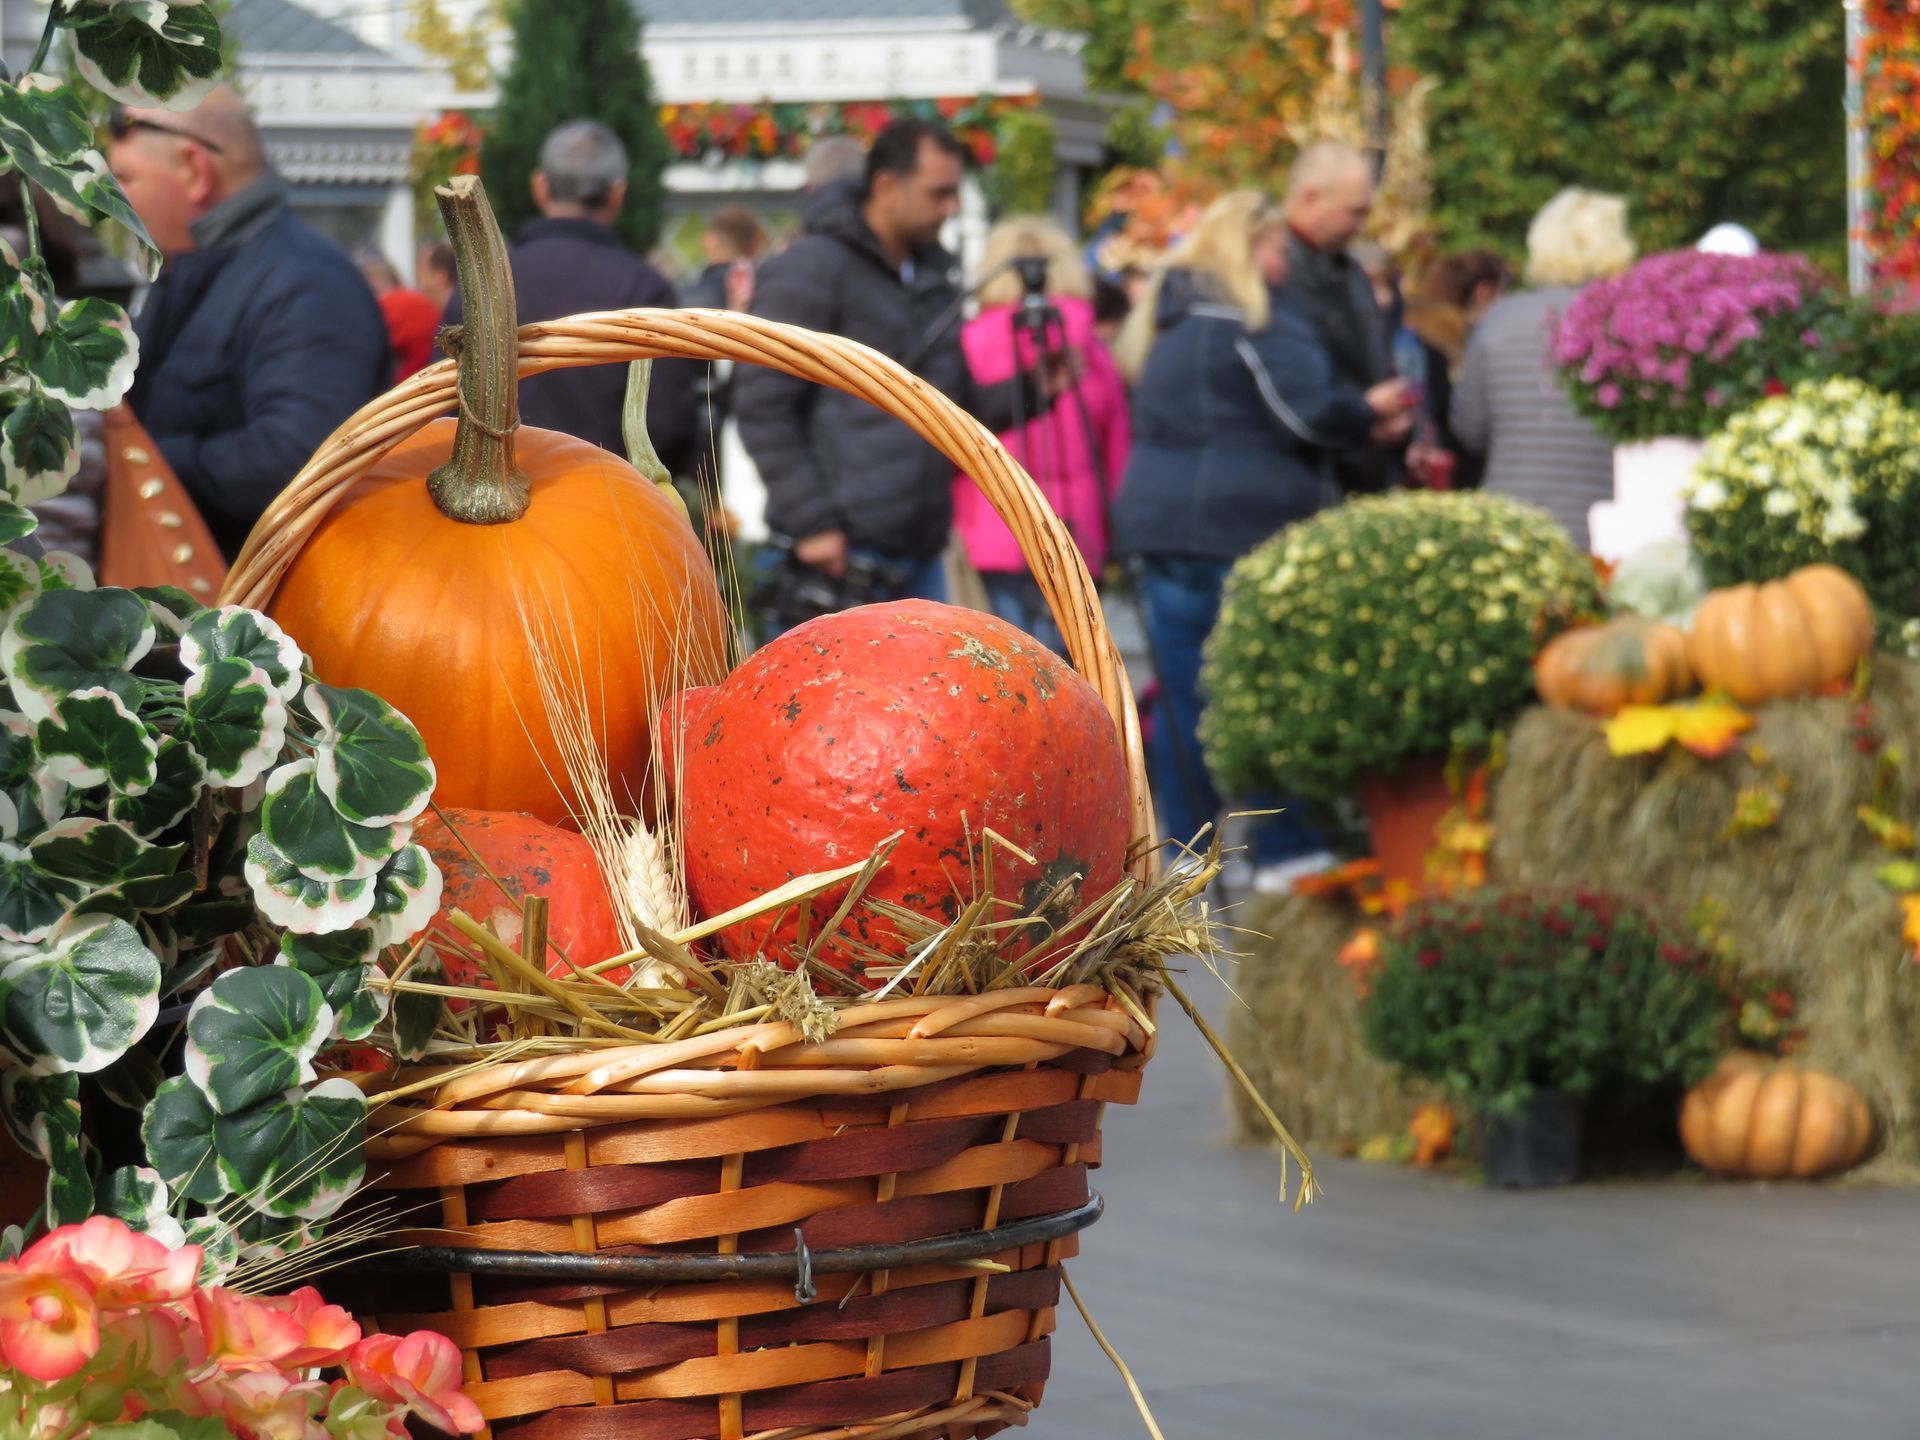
x=925, y=1129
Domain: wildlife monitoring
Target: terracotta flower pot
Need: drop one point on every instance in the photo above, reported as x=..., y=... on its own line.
x=1402, y=811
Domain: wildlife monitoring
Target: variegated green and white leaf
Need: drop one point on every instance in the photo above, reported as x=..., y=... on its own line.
x=219, y=1244
x=289, y=898
x=43, y=1112
x=415, y=1016
x=47, y=134
x=19, y=579
x=373, y=765
x=300, y=1154
x=157, y=52
x=64, y=570
x=26, y=302
x=126, y=875
x=37, y=795
x=32, y=901
x=234, y=632
x=38, y=452
x=179, y=775
x=177, y=1134
x=267, y=1237
x=338, y=964
x=94, y=739
x=77, y=1007
x=71, y=640
x=173, y=609
x=302, y=824
x=406, y=895
x=235, y=721
x=16, y=523
x=254, y=1033
x=87, y=355
x=139, y=1198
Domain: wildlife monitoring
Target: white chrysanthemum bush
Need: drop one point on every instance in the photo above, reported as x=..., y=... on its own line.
x=1829, y=472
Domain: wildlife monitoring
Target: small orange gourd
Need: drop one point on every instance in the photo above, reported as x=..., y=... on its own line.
x=478, y=561
x=1788, y=637
x=1768, y=1119
x=1630, y=660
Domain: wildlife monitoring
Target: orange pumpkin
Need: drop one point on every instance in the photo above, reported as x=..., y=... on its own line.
x=1770, y=1120
x=1788, y=637
x=454, y=586
x=1630, y=660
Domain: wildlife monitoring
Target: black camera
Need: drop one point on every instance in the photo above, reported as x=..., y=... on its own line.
x=1032, y=270
x=791, y=592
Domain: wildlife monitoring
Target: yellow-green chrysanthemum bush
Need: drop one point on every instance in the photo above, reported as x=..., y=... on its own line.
x=1829, y=472
x=1391, y=627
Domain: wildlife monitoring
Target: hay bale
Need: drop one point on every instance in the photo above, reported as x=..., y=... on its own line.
x=1800, y=899
x=1298, y=1035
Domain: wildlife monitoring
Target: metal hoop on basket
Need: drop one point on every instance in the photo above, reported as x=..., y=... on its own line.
x=625, y=335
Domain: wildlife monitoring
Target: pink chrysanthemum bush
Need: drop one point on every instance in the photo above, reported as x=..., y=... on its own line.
x=1682, y=340
x=105, y=1334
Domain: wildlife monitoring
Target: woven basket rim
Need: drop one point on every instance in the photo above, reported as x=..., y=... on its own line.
x=620, y=336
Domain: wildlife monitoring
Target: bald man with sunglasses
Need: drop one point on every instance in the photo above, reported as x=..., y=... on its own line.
x=260, y=335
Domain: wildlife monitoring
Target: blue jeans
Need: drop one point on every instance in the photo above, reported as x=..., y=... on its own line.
x=1182, y=602
x=1015, y=597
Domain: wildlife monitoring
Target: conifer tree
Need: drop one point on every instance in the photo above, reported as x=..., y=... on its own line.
x=576, y=60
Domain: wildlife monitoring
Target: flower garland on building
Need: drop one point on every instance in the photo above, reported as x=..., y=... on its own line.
x=768, y=131
x=1890, y=72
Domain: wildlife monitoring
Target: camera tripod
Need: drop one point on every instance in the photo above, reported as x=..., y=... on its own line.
x=1040, y=354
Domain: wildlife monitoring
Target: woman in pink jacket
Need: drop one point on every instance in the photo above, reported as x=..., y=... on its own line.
x=1080, y=443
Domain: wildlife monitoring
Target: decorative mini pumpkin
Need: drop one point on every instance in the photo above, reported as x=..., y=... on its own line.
x=1769, y=1120
x=1795, y=636
x=455, y=587
x=917, y=719
x=477, y=848
x=1630, y=660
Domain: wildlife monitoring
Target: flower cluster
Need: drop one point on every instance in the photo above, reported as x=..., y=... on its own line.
x=100, y=1325
x=768, y=131
x=1497, y=993
x=1828, y=472
x=1890, y=72
x=1388, y=628
x=1681, y=339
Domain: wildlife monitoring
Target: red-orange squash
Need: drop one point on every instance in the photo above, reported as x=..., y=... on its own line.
x=1630, y=660
x=1787, y=637
x=931, y=721
x=446, y=619
x=1771, y=1120
x=476, y=848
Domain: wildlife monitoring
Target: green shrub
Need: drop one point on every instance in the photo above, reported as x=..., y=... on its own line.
x=1496, y=994
x=1390, y=627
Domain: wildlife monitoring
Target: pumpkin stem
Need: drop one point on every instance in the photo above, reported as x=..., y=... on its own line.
x=633, y=425
x=480, y=483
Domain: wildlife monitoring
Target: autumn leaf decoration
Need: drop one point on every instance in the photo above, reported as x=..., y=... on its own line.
x=1709, y=727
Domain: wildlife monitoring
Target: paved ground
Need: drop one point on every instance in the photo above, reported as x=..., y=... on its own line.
x=1421, y=1308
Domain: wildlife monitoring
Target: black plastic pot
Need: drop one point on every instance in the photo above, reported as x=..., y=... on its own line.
x=1537, y=1145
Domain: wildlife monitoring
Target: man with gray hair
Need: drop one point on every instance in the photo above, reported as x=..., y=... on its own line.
x=1329, y=197
x=570, y=262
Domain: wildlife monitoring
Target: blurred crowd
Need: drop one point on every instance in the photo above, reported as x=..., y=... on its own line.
x=1271, y=365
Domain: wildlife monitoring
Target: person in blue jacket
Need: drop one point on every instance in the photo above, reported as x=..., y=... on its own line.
x=1236, y=411
x=261, y=335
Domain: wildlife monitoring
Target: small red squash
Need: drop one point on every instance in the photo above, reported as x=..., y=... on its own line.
x=928, y=720
x=528, y=857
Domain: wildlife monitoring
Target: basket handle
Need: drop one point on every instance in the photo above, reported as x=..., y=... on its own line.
x=621, y=336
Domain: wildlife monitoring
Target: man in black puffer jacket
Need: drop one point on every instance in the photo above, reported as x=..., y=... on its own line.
x=844, y=481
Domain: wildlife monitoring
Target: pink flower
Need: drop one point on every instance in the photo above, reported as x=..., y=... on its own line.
x=328, y=1331
x=126, y=1267
x=263, y=1404
x=244, y=1333
x=420, y=1371
x=49, y=1324
x=1608, y=395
